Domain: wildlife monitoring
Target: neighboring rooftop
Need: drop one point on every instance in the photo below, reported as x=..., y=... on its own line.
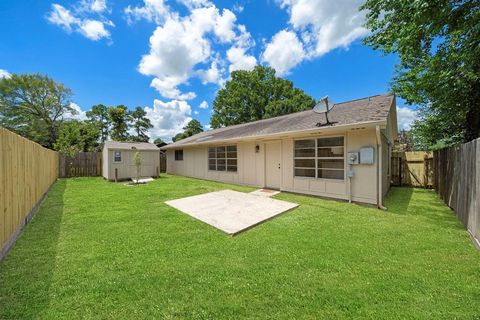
x=370, y=109
x=130, y=145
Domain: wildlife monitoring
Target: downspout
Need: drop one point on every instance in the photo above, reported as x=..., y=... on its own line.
x=379, y=169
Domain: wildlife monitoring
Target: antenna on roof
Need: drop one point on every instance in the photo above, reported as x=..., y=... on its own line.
x=323, y=107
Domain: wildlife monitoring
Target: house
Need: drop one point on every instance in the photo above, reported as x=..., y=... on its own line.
x=118, y=160
x=348, y=159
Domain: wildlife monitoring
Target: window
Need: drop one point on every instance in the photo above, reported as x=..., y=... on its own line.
x=319, y=158
x=179, y=155
x=117, y=156
x=304, y=160
x=222, y=158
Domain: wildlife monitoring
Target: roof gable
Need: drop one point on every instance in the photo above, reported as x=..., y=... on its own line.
x=142, y=146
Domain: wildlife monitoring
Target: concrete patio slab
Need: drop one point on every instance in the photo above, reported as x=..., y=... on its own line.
x=143, y=179
x=231, y=211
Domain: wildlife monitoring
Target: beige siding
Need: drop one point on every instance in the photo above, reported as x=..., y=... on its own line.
x=194, y=164
x=251, y=168
x=126, y=168
x=363, y=184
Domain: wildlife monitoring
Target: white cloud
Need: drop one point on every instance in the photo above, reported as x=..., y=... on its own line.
x=240, y=60
x=203, y=105
x=284, y=52
x=318, y=26
x=405, y=117
x=325, y=24
x=181, y=43
x=174, y=49
x=244, y=39
x=80, y=21
x=94, y=30
x=152, y=10
x=207, y=127
x=91, y=6
x=98, y=5
x=211, y=75
x=224, y=26
x=168, y=118
x=62, y=17
x=77, y=114
x=4, y=74
x=238, y=8
x=167, y=87
x=193, y=4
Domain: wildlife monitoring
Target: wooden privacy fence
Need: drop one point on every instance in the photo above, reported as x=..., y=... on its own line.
x=457, y=181
x=84, y=164
x=27, y=170
x=163, y=161
x=413, y=168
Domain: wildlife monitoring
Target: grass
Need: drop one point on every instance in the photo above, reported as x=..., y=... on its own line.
x=103, y=250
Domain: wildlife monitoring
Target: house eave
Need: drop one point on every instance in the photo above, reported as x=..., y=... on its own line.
x=321, y=130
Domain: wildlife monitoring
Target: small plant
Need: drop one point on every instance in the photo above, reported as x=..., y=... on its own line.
x=137, y=161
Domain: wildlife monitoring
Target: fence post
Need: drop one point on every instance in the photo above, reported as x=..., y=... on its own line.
x=426, y=170
x=116, y=174
x=400, y=170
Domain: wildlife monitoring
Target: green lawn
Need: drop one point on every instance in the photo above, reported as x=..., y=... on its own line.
x=97, y=249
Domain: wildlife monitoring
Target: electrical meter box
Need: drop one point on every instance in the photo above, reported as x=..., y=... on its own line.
x=367, y=155
x=353, y=158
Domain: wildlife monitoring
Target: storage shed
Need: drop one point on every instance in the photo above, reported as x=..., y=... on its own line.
x=118, y=160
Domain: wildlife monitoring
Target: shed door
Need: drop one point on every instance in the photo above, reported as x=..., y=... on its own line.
x=273, y=163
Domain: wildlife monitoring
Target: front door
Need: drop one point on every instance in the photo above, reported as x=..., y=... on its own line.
x=273, y=163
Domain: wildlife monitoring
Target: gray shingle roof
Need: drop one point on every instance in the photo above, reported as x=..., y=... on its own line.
x=374, y=108
x=130, y=145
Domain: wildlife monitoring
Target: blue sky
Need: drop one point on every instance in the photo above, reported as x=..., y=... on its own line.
x=171, y=57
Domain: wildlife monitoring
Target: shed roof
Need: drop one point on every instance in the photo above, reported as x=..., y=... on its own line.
x=370, y=109
x=130, y=145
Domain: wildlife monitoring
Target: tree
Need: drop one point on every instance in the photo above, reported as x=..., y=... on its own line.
x=33, y=106
x=193, y=127
x=439, y=47
x=405, y=141
x=140, y=124
x=159, y=141
x=119, y=118
x=179, y=136
x=137, y=162
x=255, y=95
x=435, y=131
x=100, y=117
x=76, y=136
